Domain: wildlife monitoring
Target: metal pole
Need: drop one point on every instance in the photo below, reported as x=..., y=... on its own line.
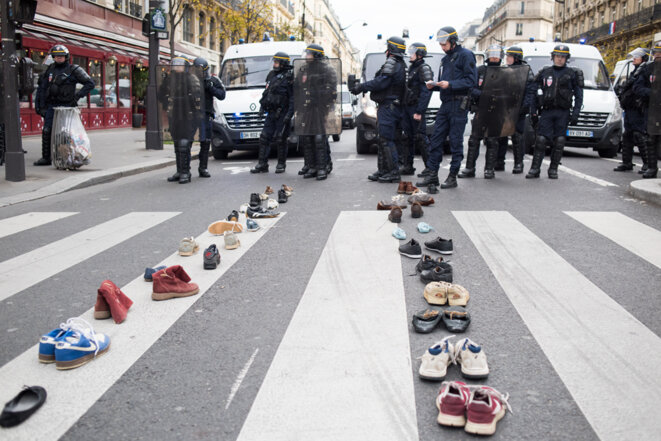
x=14, y=157
x=153, y=134
x=303, y=23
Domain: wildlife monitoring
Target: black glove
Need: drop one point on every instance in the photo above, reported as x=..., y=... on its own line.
x=357, y=88
x=574, y=118
x=534, y=119
x=286, y=122
x=208, y=85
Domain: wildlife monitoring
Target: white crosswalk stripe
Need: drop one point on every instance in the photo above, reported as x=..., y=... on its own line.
x=28, y=269
x=23, y=222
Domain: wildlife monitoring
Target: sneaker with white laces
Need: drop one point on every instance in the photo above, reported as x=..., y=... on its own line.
x=472, y=358
x=79, y=345
x=451, y=403
x=435, y=360
x=485, y=408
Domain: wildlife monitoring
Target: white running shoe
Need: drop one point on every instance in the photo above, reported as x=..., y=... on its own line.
x=435, y=360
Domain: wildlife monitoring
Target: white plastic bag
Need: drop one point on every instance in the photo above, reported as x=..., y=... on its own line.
x=70, y=146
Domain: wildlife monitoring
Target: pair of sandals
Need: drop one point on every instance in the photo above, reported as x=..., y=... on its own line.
x=455, y=319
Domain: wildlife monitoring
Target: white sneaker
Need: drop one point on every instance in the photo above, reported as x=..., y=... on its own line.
x=472, y=358
x=435, y=360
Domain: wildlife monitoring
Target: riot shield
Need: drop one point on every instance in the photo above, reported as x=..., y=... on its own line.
x=317, y=93
x=500, y=101
x=181, y=101
x=654, y=114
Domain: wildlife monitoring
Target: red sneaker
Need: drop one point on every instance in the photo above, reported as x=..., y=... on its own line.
x=485, y=408
x=172, y=282
x=451, y=403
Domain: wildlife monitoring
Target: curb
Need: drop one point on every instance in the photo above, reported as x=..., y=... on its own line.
x=646, y=189
x=88, y=180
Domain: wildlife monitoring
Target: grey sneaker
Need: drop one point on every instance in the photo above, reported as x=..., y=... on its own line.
x=231, y=241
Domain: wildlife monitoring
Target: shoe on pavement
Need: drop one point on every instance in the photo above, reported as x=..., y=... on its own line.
x=440, y=273
x=211, y=258
x=173, y=282
x=288, y=190
x=451, y=403
x=79, y=345
x=401, y=188
x=395, y=215
x=411, y=249
x=436, y=293
x=486, y=406
x=440, y=245
x=428, y=263
x=426, y=321
x=255, y=200
x=435, y=360
x=385, y=205
x=432, y=189
x=424, y=227
x=261, y=213
x=282, y=196
x=410, y=188
x=22, y=406
x=231, y=241
x=271, y=204
x=423, y=199
x=111, y=302
x=456, y=319
x=149, y=272
x=472, y=359
x=218, y=228
x=243, y=208
x=398, y=233
x=251, y=225
x=188, y=246
x=457, y=295
x=233, y=216
x=400, y=201
x=416, y=210
x=450, y=182
x=47, y=341
x=268, y=190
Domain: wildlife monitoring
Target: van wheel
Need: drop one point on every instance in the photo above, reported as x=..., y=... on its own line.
x=220, y=154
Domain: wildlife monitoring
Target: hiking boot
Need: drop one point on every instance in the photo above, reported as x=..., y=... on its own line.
x=440, y=245
x=450, y=182
x=467, y=173
x=173, y=282
x=472, y=358
x=411, y=249
x=623, y=167
x=416, y=210
x=260, y=167
x=211, y=258
x=395, y=215
x=485, y=408
x=435, y=361
x=451, y=403
x=440, y=273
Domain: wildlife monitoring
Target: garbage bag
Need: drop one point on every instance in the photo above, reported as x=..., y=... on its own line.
x=70, y=145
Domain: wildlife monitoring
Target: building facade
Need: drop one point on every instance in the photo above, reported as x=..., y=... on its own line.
x=614, y=26
x=507, y=22
x=468, y=34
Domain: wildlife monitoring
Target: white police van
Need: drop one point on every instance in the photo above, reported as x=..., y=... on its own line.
x=600, y=124
x=238, y=123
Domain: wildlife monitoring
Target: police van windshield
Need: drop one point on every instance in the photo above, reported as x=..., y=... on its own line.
x=373, y=62
x=240, y=73
x=594, y=71
x=346, y=97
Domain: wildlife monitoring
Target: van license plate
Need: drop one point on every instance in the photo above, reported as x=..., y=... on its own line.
x=250, y=135
x=581, y=133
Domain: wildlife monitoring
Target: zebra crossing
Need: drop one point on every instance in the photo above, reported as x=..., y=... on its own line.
x=366, y=387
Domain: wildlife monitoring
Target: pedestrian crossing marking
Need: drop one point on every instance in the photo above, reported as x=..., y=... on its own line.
x=608, y=360
x=343, y=368
x=23, y=222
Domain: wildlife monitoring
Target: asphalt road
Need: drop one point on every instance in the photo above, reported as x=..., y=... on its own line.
x=184, y=385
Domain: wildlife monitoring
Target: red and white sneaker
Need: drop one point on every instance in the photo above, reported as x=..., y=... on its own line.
x=451, y=403
x=485, y=408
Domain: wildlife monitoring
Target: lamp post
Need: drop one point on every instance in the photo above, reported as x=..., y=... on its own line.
x=153, y=133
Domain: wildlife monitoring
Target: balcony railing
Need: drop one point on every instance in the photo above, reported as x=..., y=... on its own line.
x=632, y=21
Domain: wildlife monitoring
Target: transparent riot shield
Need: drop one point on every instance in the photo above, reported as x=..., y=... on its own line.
x=500, y=101
x=181, y=101
x=317, y=93
x=654, y=114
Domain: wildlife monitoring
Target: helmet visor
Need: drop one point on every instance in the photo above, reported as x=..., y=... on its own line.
x=178, y=61
x=494, y=53
x=412, y=49
x=443, y=36
x=636, y=53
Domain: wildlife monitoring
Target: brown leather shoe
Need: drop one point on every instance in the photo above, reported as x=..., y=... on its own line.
x=395, y=215
x=402, y=187
x=422, y=199
x=383, y=205
x=410, y=188
x=416, y=210
x=268, y=190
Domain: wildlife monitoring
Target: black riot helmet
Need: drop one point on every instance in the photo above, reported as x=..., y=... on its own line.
x=60, y=50
x=494, y=51
x=562, y=50
x=180, y=63
x=447, y=33
x=396, y=46
x=283, y=59
x=516, y=52
x=315, y=50
x=418, y=49
x=201, y=63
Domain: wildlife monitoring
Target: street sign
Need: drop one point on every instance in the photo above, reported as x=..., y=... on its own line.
x=162, y=35
x=157, y=20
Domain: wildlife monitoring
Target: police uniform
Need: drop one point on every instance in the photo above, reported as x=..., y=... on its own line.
x=635, y=119
x=387, y=90
x=416, y=101
x=527, y=106
x=558, y=85
x=278, y=103
x=642, y=87
x=213, y=88
x=57, y=88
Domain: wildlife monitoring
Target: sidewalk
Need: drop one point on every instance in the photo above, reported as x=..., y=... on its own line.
x=115, y=153
x=647, y=189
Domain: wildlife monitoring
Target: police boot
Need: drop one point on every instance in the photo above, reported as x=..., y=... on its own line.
x=642, y=148
x=517, y=149
x=329, y=160
x=390, y=163
x=423, y=147
x=501, y=153
x=556, y=156
x=262, y=156
x=184, y=175
x=204, y=159
x=380, y=164
x=45, y=149
x=407, y=169
x=177, y=158
x=627, y=153
x=651, y=159
x=450, y=181
x=282, y=157
x=309, y=158
x=490, y=158
x=537, y=158
x=306, y=163
x=321, y=157
x=471, y=157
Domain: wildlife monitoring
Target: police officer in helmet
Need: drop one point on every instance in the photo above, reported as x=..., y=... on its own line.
x=415, y=106
x=57, y=88
x=387, y=90
x=278, y=103
x=213, y=88
x=559, y=84
x=642, y=87
x=457, y=78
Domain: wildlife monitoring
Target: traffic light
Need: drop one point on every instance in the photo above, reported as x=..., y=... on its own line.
x=22, y=11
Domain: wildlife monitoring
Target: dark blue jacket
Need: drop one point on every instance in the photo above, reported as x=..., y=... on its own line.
x=458, y=68
x=278, y=95
x=389, y=82
x=419, y=74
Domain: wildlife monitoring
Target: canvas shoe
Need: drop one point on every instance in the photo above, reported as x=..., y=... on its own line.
x=435, y=360
x=411, y=249
x=251, y=225
x=218, y=228
x=149, y=272
x=79, y=345
x=485, y=408
x=231, y=241
x=472, y=359
x=440, y=245
x=173, y=282
x=451, y=403
x=188, y=246
x=47, y=341
x=398, y=233
x=211, y=258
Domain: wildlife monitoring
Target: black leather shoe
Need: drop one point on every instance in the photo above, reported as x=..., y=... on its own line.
x=450, y=182
x=424, y=173
x=533, y=174
x=518, y=168
x=260, y=168
x=203, y=173
x=392, y=176
x=425, y=321
x=19, y=409
x=280, y=168
x=456, y=319
x=184, y=178
x=623, y=167
x=407, y=170
x=428, y=263
x=553, y=173
x=489, y=174
x=467, y=173
x=42, y=161
x=211, y=257
x=282, y=196
x=255, y=200
x=442, y=273
x=429, y=179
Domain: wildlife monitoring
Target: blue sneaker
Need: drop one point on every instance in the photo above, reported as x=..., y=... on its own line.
x=149, y=273
x=424, y=227
x=398, y=233
x=251, y=225
x=79, y=345
x=48, y=341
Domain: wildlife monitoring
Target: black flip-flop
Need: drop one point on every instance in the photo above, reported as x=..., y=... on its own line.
x=456, y=319
x=22, y=406
x=426, y=320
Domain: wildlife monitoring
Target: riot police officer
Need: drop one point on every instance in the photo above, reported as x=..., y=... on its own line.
x=387, y=90
x=514, y=57
x=642, y=87
x=457, y=78
x=278, y=101
x=559, y=83
x=213, y=88
x=494, y=56
x=57, y=87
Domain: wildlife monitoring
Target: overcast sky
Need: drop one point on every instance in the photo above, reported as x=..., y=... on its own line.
x=388, y=17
